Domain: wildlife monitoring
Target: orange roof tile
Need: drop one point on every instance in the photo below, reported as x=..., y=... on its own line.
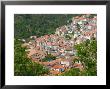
x=54, y=72
x=31, y=52
x=77, y=65
x=57, y=66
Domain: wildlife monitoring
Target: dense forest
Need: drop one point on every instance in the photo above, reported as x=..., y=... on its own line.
x=38, y=24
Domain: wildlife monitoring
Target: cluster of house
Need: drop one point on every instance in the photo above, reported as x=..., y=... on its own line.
x=61, y=44
x=61, y=65
x=80, y=29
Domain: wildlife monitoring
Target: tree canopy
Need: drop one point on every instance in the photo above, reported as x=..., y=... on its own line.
x=38, y=24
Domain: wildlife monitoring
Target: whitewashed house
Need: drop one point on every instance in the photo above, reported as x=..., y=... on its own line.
x=58, y=68
x=66, y=62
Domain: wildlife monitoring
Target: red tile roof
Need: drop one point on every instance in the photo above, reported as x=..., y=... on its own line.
x=31, y=52
x=57, y=66
x=54, y=72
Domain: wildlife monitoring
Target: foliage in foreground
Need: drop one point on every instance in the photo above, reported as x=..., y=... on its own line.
x=23, y=66
x=87, y=53
x=72, y=72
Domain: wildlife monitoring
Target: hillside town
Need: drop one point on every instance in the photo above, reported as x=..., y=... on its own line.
x=61, y=44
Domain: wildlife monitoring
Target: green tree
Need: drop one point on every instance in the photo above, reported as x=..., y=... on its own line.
x=24, y=66
x=49, y=57
x=72, y=72
x=26, y=25
x=87, y=53
x=68, y=37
